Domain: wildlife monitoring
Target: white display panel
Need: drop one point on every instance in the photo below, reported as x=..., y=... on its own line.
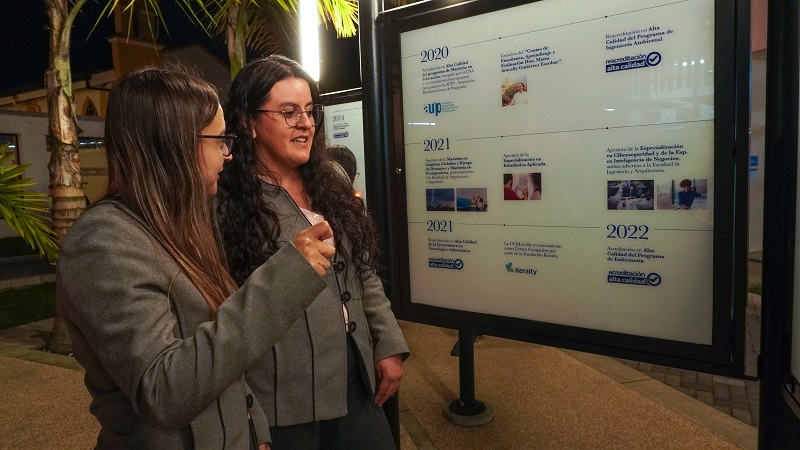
x=616, y=111
x=344, y=125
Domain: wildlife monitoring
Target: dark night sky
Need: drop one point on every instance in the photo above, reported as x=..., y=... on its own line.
x=24, y=46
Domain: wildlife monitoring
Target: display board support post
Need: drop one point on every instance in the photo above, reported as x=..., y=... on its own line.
x=779, y=427
x=467, y=411
x=368, y=11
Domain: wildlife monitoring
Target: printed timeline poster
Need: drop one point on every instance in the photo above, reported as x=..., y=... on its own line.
x=559, y=163
x=344, y=125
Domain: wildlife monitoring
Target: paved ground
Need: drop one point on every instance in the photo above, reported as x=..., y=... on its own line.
x=735, y=397
x=565, y=400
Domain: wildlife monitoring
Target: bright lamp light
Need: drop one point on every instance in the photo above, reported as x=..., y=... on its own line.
x=309, y=37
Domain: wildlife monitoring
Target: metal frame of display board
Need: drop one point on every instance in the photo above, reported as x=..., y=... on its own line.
x=392, y=406
x=339, y=97
x=725, y=355
x=779, y=410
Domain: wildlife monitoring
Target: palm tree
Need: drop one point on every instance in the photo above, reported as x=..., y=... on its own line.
x=265, y=25
x=66, y=184
x=22, y=210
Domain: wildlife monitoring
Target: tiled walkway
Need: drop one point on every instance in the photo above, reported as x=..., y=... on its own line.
x=735, y=397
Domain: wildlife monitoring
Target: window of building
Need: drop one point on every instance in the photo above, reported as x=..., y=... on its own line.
x=11, y=140
x=88, y=108
x=94, y=167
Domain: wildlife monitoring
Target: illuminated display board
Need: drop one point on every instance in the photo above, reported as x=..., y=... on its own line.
x=560, y=165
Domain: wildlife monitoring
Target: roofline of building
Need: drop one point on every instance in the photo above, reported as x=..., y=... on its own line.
x=90, y=81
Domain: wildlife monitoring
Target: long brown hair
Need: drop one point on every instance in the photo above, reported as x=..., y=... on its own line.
x=153, y=118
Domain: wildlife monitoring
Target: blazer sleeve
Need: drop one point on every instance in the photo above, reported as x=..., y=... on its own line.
x=387, y=338
x=115, y=292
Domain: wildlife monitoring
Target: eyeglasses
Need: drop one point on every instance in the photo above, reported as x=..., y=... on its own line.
x=226, y=139
x=293, y=115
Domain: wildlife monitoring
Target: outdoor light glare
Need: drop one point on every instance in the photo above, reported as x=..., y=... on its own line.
x=309, y=37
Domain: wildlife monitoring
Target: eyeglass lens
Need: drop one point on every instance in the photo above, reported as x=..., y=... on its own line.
x=228, y=144
x=315, y=114
x=226, y=140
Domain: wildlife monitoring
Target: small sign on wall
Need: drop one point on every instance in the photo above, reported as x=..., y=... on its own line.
x=13, y=147
x=753, y=168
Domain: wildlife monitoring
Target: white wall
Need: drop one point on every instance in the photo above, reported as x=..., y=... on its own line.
x=31, y=130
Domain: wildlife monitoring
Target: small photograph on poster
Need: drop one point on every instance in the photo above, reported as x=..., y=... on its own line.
x=441, y=199
x=514, y=90
x=471, y=199
x=683, y=194
x=630, y=194
x=522, y=186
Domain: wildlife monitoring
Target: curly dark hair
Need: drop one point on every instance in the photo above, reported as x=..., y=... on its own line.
x=250, y=228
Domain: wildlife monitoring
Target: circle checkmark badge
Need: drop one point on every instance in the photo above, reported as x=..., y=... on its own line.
x=653, y=58
x=653, y=279
x=458, y=264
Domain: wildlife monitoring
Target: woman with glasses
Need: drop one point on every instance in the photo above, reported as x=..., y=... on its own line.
x=324, y=381
x=155, y=317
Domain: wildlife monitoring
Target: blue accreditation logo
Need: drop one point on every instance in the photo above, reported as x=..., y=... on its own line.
x=637, y=61
x=433, y=108
x=445, y=263
x=437, y=108
x=634, y=278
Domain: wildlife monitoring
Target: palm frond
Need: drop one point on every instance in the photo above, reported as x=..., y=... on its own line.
x=24, y=210
x=209, y=15
x=342, y=14
x=271, y=25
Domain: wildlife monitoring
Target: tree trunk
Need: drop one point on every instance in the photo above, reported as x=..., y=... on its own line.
x=235, y=29
x=66, y=184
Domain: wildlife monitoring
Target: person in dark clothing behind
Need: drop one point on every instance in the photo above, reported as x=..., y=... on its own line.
x=345, y=157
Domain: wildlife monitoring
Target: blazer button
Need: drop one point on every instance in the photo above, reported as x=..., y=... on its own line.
x=339, y=266
x=345, y=296
x=351, y=327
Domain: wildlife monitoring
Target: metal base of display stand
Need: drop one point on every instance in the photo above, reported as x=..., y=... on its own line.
x=468, y=412
x=477, y=415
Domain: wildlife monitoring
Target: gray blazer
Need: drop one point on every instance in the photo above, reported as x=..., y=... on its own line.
x=304, y=376
x=160, y=373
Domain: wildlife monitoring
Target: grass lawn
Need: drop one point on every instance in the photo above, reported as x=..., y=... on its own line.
x=27, y=304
